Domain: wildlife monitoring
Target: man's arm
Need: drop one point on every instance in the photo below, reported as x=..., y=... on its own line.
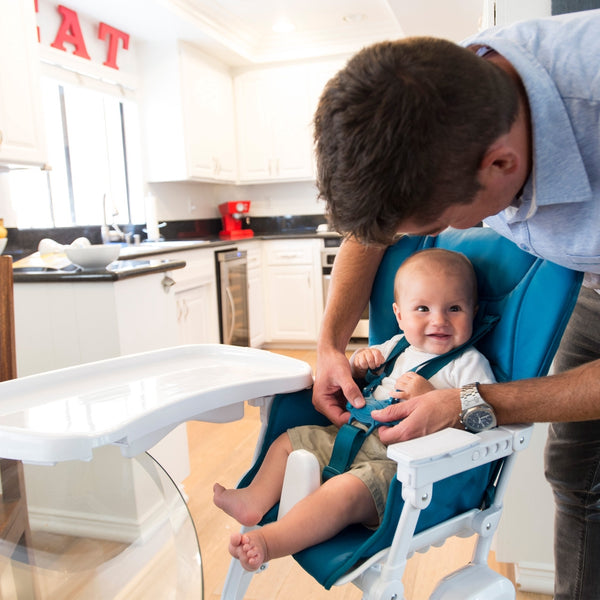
x=353, y=273
x=570, y=396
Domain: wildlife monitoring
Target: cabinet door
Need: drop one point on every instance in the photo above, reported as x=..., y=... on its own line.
x=209, y=117
x=291, y=303
x=274, y=128
x=253, y=128
x=187, y=112
x=21, y=131
x=291, y=123
x=195, y=321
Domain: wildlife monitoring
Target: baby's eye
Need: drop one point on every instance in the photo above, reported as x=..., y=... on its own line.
x=422, y=308
x=455, y=308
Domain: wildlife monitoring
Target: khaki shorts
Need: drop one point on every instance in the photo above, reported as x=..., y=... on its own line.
x=371, y=464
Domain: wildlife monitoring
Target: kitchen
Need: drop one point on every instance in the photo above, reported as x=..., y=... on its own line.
x=250, y=142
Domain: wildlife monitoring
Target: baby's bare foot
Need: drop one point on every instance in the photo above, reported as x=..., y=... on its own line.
x=235, y=504
x=249, y=548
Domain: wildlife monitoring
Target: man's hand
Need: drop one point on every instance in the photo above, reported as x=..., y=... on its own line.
x=334, y=387
x=421, y=415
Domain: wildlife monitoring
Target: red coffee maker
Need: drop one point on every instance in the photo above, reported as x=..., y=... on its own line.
x=233, y=213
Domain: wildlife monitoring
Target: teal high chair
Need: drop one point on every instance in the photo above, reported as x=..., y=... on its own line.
x=451, y=482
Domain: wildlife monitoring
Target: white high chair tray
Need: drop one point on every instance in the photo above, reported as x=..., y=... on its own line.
x=135, y=400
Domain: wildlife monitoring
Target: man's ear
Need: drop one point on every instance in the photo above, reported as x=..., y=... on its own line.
x=500, y=160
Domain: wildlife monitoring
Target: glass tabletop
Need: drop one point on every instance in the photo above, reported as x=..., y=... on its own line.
x=112, y=527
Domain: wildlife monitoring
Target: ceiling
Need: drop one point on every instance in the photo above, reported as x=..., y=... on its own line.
x=240, y=31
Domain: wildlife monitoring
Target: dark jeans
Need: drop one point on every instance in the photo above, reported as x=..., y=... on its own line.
x=573, y=469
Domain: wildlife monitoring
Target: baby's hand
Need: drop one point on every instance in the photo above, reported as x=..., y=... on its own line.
x=411, y=384
x=364, y=359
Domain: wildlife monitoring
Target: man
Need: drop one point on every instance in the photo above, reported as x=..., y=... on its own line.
x=419, y=135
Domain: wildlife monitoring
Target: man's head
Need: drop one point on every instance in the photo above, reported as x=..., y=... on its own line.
x=401, y=133
x=435, y=293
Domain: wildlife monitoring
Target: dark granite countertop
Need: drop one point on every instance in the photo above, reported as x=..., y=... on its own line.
x=136, y=260
x=116, y=271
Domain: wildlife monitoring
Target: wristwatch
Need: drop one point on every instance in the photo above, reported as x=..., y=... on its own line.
x=476, y=414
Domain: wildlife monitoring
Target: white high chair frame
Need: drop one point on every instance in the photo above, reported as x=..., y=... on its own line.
x=421, y=463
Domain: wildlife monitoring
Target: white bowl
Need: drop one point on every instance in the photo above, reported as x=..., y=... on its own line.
x=93, y=257
x=3, y=244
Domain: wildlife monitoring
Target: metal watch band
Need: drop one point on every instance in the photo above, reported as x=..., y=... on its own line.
x=470, y=396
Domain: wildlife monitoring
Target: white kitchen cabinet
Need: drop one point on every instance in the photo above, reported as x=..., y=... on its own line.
x=196, y=298
x=60, y=324
x=21, y=131
x=274, y=124
x=188, y=114
x=193, y=319
x=293, y=291
x=275, y=109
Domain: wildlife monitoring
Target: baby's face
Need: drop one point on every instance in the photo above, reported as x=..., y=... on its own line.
x=435, y=311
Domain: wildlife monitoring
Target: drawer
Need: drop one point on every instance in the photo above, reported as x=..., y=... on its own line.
x=289, y=252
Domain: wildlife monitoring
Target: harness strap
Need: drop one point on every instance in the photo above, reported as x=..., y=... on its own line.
x=350, y=438
x=348, y=442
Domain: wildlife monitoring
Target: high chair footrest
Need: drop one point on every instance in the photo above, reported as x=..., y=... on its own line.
x=474, y=582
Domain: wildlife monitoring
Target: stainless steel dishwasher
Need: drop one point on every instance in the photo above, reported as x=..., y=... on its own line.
x=232, y=286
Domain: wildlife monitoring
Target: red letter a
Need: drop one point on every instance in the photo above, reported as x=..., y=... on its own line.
x=70, y=32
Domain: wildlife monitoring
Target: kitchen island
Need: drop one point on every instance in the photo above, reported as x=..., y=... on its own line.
x=68, y=316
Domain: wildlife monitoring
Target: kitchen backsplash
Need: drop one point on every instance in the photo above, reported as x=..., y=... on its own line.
x=179, y=201
x=22, y=242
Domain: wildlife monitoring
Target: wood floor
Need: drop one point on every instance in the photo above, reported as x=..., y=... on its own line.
x=222, y=452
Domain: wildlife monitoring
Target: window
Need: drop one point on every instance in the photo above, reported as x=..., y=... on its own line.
x=94, y=153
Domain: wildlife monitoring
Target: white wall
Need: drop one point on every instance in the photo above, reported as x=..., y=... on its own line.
x=526, y=532
x=190, y=200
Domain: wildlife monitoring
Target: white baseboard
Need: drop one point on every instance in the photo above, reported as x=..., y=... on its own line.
x=535, y=577
x=127, y=530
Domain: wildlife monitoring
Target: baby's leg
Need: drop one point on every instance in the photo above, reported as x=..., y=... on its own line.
x=339, y=502
x=248, y=505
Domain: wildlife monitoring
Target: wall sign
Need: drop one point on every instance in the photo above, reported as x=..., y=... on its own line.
x=69, y=32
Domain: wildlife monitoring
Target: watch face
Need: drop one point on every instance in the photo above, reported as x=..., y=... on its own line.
x=479, y=419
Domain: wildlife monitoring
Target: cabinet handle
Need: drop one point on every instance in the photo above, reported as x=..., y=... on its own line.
x=229, y=334
x=1, y=137
x=167, y=283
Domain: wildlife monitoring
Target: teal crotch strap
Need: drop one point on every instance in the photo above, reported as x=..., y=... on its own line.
x=348, y=442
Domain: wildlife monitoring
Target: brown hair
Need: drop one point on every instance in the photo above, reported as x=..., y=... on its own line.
x=400, y=133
